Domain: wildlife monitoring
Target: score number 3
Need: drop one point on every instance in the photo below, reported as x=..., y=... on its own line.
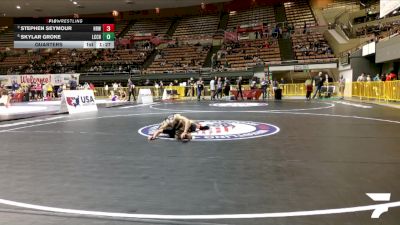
x=108, y=28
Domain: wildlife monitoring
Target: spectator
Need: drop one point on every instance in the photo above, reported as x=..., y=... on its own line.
x=391, y=76
x=44, y=89
x=253, y=83
x=361, y=78
x=305, y=28
x=50, y=91
x=72, y=83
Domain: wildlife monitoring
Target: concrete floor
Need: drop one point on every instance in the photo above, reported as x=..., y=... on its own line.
x=326, y=155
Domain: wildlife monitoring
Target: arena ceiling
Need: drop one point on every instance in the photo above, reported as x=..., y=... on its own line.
x=43, y=8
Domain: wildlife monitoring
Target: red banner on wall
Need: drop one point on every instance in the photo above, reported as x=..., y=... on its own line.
x=250, y=28
x=231, y=36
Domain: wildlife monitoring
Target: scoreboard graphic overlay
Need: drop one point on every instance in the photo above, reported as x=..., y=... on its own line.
x=64, y=33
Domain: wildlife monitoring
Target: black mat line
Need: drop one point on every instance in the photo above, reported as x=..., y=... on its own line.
x=314, y=162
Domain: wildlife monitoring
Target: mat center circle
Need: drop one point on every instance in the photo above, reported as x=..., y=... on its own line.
x=239, y=104
x=223, y=130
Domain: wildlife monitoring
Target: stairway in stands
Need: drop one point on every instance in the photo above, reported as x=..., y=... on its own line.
x=149, y=59
x=286, y=49
x=223, y=21
x=280, y=14
x=285, y=44
x=126, y=28
x=214, y=49
x=222, y=25
x=172, y=28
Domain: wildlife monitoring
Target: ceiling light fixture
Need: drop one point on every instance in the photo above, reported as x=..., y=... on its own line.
x=18, y=7
x=75, y=3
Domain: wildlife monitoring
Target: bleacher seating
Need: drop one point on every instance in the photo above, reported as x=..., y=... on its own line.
x=3, y=28
x=308, y=44
x=7, y=39
x=248, y=53
x=180, y=56
x=197, y=26
x=298, y=13
x=379, y=30
x=251, y=16
x=179, y=59
x=156, y=26
x=311, y=46
x=343, y=3
x=18, y=61
x=123, y=56
x=68, y=57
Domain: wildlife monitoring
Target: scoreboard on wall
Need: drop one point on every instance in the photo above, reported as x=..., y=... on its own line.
x=64, y=33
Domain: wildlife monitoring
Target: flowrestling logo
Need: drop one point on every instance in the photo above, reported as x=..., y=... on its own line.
x=239, y=104
x=223, y=130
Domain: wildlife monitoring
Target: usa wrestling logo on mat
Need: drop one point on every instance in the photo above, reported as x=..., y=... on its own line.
x=221, y=130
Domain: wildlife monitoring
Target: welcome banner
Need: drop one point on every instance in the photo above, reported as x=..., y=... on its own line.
x=55, y=79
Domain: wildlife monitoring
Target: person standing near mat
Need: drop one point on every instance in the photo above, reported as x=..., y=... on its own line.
x=319, y=82
x=227, y=87
x=177, y=126
x=212, y=88
x=218, y=93
x=342, y=85
x=264, y=86
x=106, y=89
x=200, y=87
x=5, y=96
x=239, y=88
x=309, y=88
x=131, y=90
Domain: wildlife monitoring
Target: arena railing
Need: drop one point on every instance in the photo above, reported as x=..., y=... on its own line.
x=377, y=90
x=374, y=90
